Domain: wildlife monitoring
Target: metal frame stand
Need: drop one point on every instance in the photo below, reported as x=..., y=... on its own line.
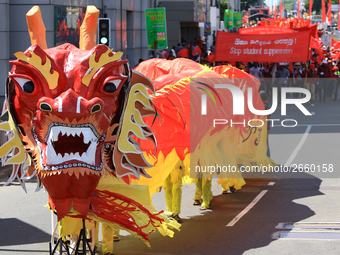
x=64, y=246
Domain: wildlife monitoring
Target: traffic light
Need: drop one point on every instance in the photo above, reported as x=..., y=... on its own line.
x=104, y=31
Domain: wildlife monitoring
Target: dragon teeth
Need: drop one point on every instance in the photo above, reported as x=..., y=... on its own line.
x=88, y=137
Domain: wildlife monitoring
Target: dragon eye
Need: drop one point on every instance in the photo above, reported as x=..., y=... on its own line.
x=111, y=86
x=26, y=84
x=28, y=87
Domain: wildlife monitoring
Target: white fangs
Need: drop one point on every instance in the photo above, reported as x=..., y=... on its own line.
x=88, y=157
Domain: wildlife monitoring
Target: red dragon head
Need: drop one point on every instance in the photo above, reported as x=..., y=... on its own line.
x=76, y=112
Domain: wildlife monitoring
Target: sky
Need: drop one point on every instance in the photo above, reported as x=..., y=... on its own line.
x=272, y=2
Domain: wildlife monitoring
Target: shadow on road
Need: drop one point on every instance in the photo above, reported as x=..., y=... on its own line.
x=208, y=234
x=16, y=232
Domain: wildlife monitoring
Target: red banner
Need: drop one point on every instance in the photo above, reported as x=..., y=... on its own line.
x=265, y=30
x=312, y=28
x=292, y=47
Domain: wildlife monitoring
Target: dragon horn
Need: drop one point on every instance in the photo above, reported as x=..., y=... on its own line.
x=36, y=27
x=88, y=29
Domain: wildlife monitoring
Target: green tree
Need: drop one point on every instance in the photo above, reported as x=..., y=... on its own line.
x=317, y=5
x=289, y=4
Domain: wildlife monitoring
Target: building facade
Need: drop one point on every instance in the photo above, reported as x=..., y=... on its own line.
x=183, y=18
x=62, y=19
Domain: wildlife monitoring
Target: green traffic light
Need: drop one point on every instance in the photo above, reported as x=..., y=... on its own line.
x=103, y=40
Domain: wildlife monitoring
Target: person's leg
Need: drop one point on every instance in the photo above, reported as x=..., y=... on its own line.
x=96, y=243
x=177, y=195
x=115, y=232
x=312, y=91
x=225, y=187
x=168, y=193
x=328, y=88
x=269, y=88
x=320, y=91
x=279, y=91
x=198, y=192
x=207, y=194
x=107, y=245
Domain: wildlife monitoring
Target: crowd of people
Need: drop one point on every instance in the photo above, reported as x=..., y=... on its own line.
x=321, y=79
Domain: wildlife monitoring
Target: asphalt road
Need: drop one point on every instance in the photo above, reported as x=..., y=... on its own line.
x=311, y=202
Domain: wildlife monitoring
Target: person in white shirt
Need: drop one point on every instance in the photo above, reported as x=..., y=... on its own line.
x=256, y=71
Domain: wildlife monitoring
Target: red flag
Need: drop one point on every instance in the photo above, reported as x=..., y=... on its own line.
x=336, y=46
x=197, y=50
x=323, y=11
x=183, y=53
x=211, y=58
x=298, y=8
x=339, y=17
x=314, y=43
x=275, y=12
x=310, y=8
x=329, y=13
x=260, y=11
x=333, y=42
x=280, y=10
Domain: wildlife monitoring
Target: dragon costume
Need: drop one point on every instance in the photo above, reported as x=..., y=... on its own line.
x=86, y=126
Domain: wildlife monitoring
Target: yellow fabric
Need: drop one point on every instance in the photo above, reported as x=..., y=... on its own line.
x=72, y=226
x=253, y=146
x=159, y=171
x=218, y=151
x=138, y=193
x=13, y=144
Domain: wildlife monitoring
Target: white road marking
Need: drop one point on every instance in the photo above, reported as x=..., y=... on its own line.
x=245, y=210
x=327, y=235
x=271, y=183
x=299, y=146
x=309, y=225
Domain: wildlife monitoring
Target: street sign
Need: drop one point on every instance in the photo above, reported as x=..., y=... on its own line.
x=156, y=28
